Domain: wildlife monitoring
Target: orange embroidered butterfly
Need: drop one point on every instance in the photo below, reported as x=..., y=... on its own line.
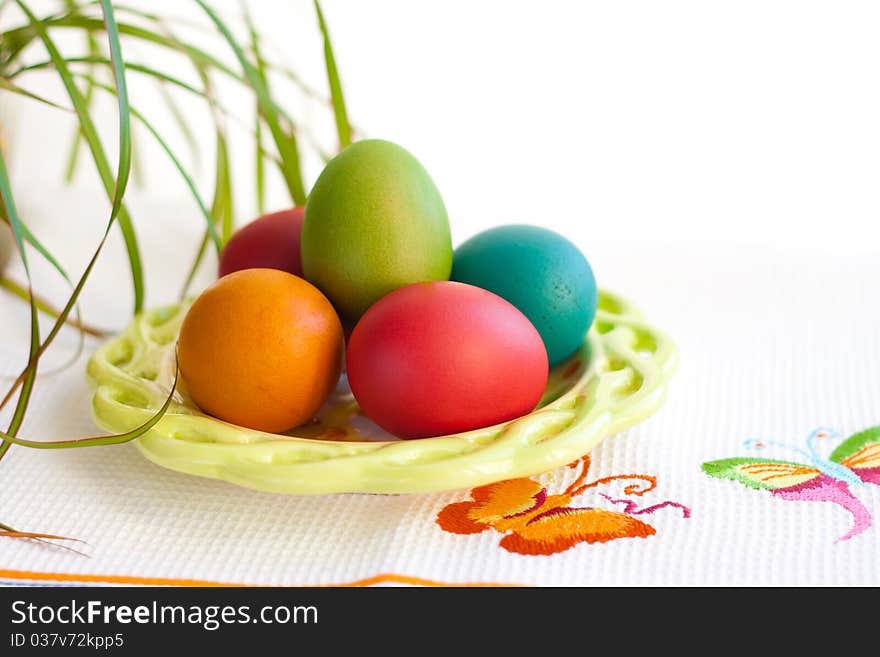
x=534, y=522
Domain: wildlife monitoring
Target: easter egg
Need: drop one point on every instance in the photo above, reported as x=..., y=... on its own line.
x=262, y=349
x=438, y=358
x=374, y=222
x=6, y=245
x=541, y=273
x=270, y=241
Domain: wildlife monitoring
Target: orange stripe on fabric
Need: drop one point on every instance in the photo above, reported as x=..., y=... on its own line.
x=383, y=578
x=386, y=578
x=108, y=579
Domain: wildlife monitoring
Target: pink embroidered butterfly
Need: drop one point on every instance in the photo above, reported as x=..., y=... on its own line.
x=855, y=462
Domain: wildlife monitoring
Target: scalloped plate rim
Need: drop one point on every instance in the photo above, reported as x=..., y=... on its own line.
x=592, y=426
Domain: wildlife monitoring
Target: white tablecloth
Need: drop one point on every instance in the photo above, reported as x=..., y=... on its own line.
x=773, y=344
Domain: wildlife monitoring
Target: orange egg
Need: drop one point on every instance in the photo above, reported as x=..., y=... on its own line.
x=261, y=348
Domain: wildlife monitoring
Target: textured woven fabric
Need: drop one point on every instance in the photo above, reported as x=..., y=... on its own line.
x=773, y=345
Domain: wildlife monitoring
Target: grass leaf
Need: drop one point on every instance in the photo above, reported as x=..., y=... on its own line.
x=52, y=537
x=7, y=531
x=17, y=39
x=27, y=382
x=212, y=232
x=343, y=127
x=260, y=174
x=204, y=94
x=124, y=167
x=73, y=158
x=9, y=86
x=99, y=441
x=182, y=125
x=22, y=292
x=115, y=188
x=27, y=377
x=220, y=207
x=285, y=140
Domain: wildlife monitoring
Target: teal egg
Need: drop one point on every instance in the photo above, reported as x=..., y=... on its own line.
x=541, y=273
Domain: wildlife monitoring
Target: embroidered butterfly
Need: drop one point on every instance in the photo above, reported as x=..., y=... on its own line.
x=855, y=462
x=534, y=522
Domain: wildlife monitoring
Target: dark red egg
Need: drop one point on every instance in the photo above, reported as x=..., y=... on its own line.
x=269, y=242
x=440, y=357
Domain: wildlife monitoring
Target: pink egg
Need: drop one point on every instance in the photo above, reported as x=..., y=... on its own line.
x=437, y=358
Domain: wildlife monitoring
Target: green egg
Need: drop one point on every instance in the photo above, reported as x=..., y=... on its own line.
x=374, y=222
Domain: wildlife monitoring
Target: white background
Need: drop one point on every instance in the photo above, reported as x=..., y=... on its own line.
x=753, y=122
x=717, y=161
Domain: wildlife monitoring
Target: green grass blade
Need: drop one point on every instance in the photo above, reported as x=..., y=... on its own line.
x=177, y=82
x=209, y=220
x=115, y=188
x=27, y=382
x=62, y=315
x=26, y=233
x=47, y=308
x=260, y=173
x=14, y=88
x=182, y=125
x=206, y=58
x=194, y=268
x=97, y=441
x=16, y=39
x=222, y=202
x=140, y=68
x=293, y=77
x=199, y=58
x=137, y=163
x=124, y=168
x=312, y=141
x=28, y=376
x=285, y=140
x=28, y=295
x=25, y=293
x=31, y=239
x=76, y=142
x=212, y=231
x=204, y=94
x=343, y=127
x=220, y=206
x=227, y=216
x=30, y=370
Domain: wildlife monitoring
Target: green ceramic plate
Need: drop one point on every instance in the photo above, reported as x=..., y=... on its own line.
x=617, y=378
